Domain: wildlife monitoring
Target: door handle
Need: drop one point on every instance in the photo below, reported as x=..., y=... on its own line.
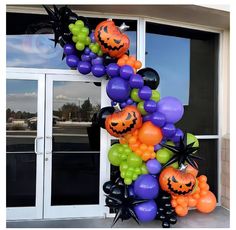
x=50, y=151
x=36, y=145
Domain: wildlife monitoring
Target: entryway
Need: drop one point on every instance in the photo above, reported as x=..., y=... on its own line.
x=56, y=155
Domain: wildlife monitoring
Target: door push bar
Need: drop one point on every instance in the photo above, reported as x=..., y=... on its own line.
x=36, y=145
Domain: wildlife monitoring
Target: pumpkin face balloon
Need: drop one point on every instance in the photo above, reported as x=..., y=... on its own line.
x=176, y=182
x=111, y=39
x=123, y=122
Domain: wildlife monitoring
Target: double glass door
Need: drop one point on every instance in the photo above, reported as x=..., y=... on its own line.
x=56, y=153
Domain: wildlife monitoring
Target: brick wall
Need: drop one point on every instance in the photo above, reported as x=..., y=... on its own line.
x=225, y=172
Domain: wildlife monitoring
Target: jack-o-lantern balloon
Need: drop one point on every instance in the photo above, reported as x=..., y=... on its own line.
x=176, y=181
x=123, y=122
x=111, y=39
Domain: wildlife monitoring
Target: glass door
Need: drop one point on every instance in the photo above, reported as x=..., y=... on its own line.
x=75, y=147
x=25, y=145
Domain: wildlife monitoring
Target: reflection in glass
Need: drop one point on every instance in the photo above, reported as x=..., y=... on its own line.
x=170, y=57
x=21, y=130
x=76, y=143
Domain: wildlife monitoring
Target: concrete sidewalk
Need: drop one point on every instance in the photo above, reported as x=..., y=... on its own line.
x=217, y=219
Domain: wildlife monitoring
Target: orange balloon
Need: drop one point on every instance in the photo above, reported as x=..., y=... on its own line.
x=202, y=178
x=192, y=202
x=206, y=203
x=121, y=62
x=174, y=203
x=137, y=64
x=130, y=62
x=181, y=211
x=192, y=170
x=149, y=134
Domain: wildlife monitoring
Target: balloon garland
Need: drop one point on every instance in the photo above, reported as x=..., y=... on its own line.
x=157, y=168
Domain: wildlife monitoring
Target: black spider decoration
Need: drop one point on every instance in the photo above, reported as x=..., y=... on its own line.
x=120, y=201
x=60, y=19
x=183, y=153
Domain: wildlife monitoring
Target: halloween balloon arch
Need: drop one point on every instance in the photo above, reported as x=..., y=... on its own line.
x=156, y=175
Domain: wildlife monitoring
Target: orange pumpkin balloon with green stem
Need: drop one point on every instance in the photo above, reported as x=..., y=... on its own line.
x=111, y=38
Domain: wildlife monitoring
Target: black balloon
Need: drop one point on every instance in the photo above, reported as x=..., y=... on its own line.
x=165, y=212
x=150, y=76
x=103, y=113
x=107, y=186
x=120, y=201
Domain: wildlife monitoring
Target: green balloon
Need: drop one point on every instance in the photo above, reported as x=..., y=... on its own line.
x=114, y=155
x=135, y=176
x=75, y=30
x=141, y=109
x=81, y=37
x=175, y=165
x=191, y=138
x=85, y=30
x=134, y=95
x=71, y=26
x=134, y=160
x=137, y=171
x=87, y=41
x=79, y=23
x=155, y=95
x=128, y=174
x=79, y=46
x=163, y=155
x=123, y=166
x=100, y=53
x=95, y=49
x=144, y=169
x=74, y=38
x=122, y=174
x=128, y=181
x=91, y=46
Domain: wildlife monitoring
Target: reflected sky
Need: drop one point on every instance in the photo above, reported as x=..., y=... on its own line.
x=170, y=56
x=37, y=51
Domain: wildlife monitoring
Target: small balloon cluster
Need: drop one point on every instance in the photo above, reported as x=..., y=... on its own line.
x=156, y=161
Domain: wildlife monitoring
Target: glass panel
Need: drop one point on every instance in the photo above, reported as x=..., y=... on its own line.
x=74, y=106
x=75, y=179
x=187, y=63
x=209, y=166
x=21, y=130
x=29, y=44
x=75, y=176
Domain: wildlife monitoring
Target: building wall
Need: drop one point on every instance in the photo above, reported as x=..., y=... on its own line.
x=225, y=172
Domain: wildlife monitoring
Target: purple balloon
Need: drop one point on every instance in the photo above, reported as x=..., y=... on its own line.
x=172, y=108
x=92, y=55
x=146, y=187
x=146, y=118
x=158, y=119
x=113, y=70
x=87, y=51
x=85, y=57
x=129, y=101
x=126, y=71
x=150, y=106
x=145, y=93
x=179, y=133
x=123, y=105
x=118, y=89
x=92, y=37
x=136, y=81
x=146, y=211
x=157, y=147
x=168, y=130
x=84, y=67
x=72, y=61
x=98, y=70
x=153, y=166
x=69, y=49
x=97, y=61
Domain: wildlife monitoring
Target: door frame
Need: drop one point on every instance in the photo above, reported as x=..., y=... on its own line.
x=36, y=212
x=72, y=211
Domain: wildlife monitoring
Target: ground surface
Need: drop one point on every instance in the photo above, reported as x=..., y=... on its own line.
x=217, y=219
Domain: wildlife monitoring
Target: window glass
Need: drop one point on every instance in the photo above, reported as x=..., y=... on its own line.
x=187, y=61
x=29, y=44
